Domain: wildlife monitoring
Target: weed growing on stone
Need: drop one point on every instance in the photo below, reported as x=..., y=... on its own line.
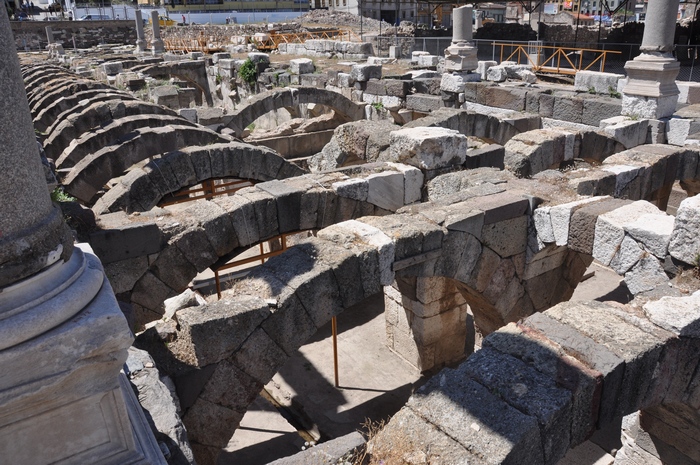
x=613, y=92
x=248, y=72
x=58, y=195
x=591, y=90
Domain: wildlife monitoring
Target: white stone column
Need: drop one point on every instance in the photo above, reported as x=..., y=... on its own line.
x=651, y=90
x=63, y=338
x=157, y=46
x=140, y=36
x=460, y=57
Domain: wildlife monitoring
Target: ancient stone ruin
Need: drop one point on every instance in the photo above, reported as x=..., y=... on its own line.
x=474, y=206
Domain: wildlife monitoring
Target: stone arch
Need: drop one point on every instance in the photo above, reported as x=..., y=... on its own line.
x=112, y=133
x=143, y=188
x=93, y=112
x=34, y=79
x=56, y=112
x=291, y=97
x=88, y=176
x=68, y=87
x=193, y=72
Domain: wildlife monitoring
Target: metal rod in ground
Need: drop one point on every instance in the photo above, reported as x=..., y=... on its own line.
x=334, y=328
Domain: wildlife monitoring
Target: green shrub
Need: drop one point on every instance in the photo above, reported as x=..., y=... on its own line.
x=248, y=72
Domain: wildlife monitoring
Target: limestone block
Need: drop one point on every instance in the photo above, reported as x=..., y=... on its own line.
x=259, y=58
x=653, y=232
x=386, y=190
x=543, y=224
x=166, y=96
x=428, y=148
x=680, y=315
x=216, y=57
x=646, y=275
x=609, y=228
x=689, y=92
x=482, y=68
x=678, y=130
x=416, y=54
x=561, y=216
x=427, y=61
x=354, y=188
x=456, y=82
x=496, y=74
x=288, y=200
x=302, y=66
x=601, y=83
x=190, y=114
x=684, y=244
x=527, y=76
x=628, y=132
x=187, y=299
x=627, y=256
x=413, y=182
x=363, y=73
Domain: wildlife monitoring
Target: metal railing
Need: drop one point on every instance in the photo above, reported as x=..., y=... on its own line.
x=206, y=190
x=558, y=60
x=687, y=55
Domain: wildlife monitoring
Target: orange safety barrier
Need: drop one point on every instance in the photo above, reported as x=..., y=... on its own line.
x=559, y=60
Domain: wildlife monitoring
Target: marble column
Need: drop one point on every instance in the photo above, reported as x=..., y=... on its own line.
x=140, y=36
x=49, y=34
x=460, y=56
x=157, y=45
x=651, y=90
x=63, y=338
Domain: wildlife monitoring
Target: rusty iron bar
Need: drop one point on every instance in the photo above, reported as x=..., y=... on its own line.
x=209, y=189
x=334, y=328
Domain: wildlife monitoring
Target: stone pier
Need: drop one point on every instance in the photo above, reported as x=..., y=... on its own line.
x=651, y=91
x=427, y=321
x=140, y=36
x=63, y=338
x=157, y=46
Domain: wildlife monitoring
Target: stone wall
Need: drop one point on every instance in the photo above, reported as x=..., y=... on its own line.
x=31, y=35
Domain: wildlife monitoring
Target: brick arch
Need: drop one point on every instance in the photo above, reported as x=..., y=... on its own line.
x=143, y=188
x=67, y=106
x=288, y=97
x=92, y=141
x=88, y=176
x=93, y=109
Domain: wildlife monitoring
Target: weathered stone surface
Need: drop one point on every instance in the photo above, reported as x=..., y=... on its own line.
x=653, y=232
x=428, y=148
x=353, y=188
x=329, y=452
x=210, y=333
x=647, y=275
x=187, y=299
x=627, y=255
x=363, y=73
x=413, y=182
x=609, y=229
x=684, y=244
x=680, y=315
x=582, y=224
x=301, y=66
x=386, y=190
x=506, y=238
x=482, y=422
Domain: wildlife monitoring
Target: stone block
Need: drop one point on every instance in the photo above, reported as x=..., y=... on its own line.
x=478, y=419
x=689, y=92
x=639, y=349
x=628, y=254
x=112, y=68
x=386, y=190
x=653, y=232
x=684, y=244
x=427, y=61
x=288, y=200
x=423, y=103
x=528, y=390
x=597, y=109
x=363, y=73
x=678, y=130
x=428, y=147
x=630, y=133
x=550, y=359
x=127, y=240
x=496, y=73
x=506, y=238
x=600, y=83
x=679, y=315
x=609, y=229
x=568, y=109
x=482, y=68
x=302, y=66
x=211, y=333
x=647, y=275
x=413, y=182
x=353, y=188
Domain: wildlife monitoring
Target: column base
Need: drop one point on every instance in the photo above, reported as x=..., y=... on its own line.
x=157, y=47
x=460, y=58
x=651, y=91
x=140, y=47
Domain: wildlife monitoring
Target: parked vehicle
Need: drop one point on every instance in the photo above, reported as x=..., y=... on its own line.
x=94, y=18
x=164, y=21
